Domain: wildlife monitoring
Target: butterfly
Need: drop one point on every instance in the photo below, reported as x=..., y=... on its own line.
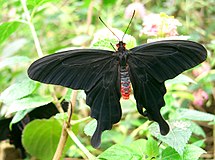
x=106, y=75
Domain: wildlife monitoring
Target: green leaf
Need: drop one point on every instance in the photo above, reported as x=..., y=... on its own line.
x=119, y=152
x=40, y=138
x=13, y=47
x=2, y=2
x=199, y=143
x=116, y=137
x=181, y=78
x=196, y=129
x=18, y=90
x=28, y=102
x=105, y=44
x=130, y=41
x=192, y=152
x=139, y=146
x=194, y=115
x=184, y=95
x=104, y=37
x=15, y=61
x=178, y=136
x=212, y=122
x=90, y=128
x=128, y=106
x=170, y=154
x=86, y=3
x=109, y=2
x=61, y=116
x=80, y=40
x=68, y=95
x=36, y=3
x=19, y=116
x=152, y=149
x=6, y=29
x=204, y=78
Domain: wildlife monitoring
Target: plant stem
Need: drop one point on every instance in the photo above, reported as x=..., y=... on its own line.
x=73, y=122
x=80, y=145
x=62, y=143
x=66, y=127
x=64, y=135
x=57, y=103
x=66, y=130
x=89, y=16
x=33, y=31
x=73, y=99
x=73, y=136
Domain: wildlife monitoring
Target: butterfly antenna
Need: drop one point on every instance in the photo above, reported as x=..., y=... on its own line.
x=128, y=25
x=108, y=28
x=112, y=46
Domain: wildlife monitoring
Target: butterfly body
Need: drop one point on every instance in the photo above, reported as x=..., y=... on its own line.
x=105, y=76
x=125, y=86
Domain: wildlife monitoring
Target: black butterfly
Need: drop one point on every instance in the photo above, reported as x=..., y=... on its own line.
x=101, y=73
x=105, y=76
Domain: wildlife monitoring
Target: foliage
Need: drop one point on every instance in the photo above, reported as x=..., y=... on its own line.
x=42, y=144
x=53, y=25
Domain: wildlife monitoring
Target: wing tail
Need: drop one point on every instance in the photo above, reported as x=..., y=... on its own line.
x=103, y=99
x=148, y=93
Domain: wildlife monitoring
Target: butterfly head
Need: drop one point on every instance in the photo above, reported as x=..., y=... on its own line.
x=121, y=46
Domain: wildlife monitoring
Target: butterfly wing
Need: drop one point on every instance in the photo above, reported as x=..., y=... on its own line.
x=166, y=59
x=96, y=72
x=103, y=99
x=148, y=93
x=153, y=63
x=76, y=69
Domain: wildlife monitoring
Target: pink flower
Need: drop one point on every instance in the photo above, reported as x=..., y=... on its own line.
x=160, y=25
x=151, y=24
x=200, y=96
x=138, y=7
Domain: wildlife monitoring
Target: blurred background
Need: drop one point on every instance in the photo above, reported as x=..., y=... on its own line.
x=34, y=28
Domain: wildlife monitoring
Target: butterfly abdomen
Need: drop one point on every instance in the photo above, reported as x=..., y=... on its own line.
x=125, y=83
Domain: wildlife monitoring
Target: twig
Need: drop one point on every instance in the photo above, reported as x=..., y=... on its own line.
x=64, y=135
x=89, y=16
x=66, y=126
x=73, y=98
x=73, y=122
x=57, y=103
x=33, y=31
x=73, y=136
x=66, y=130
x=80, y=145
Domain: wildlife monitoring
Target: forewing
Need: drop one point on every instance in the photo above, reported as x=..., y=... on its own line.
x=166, y=59
x=76, y=69
x=103, y=99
